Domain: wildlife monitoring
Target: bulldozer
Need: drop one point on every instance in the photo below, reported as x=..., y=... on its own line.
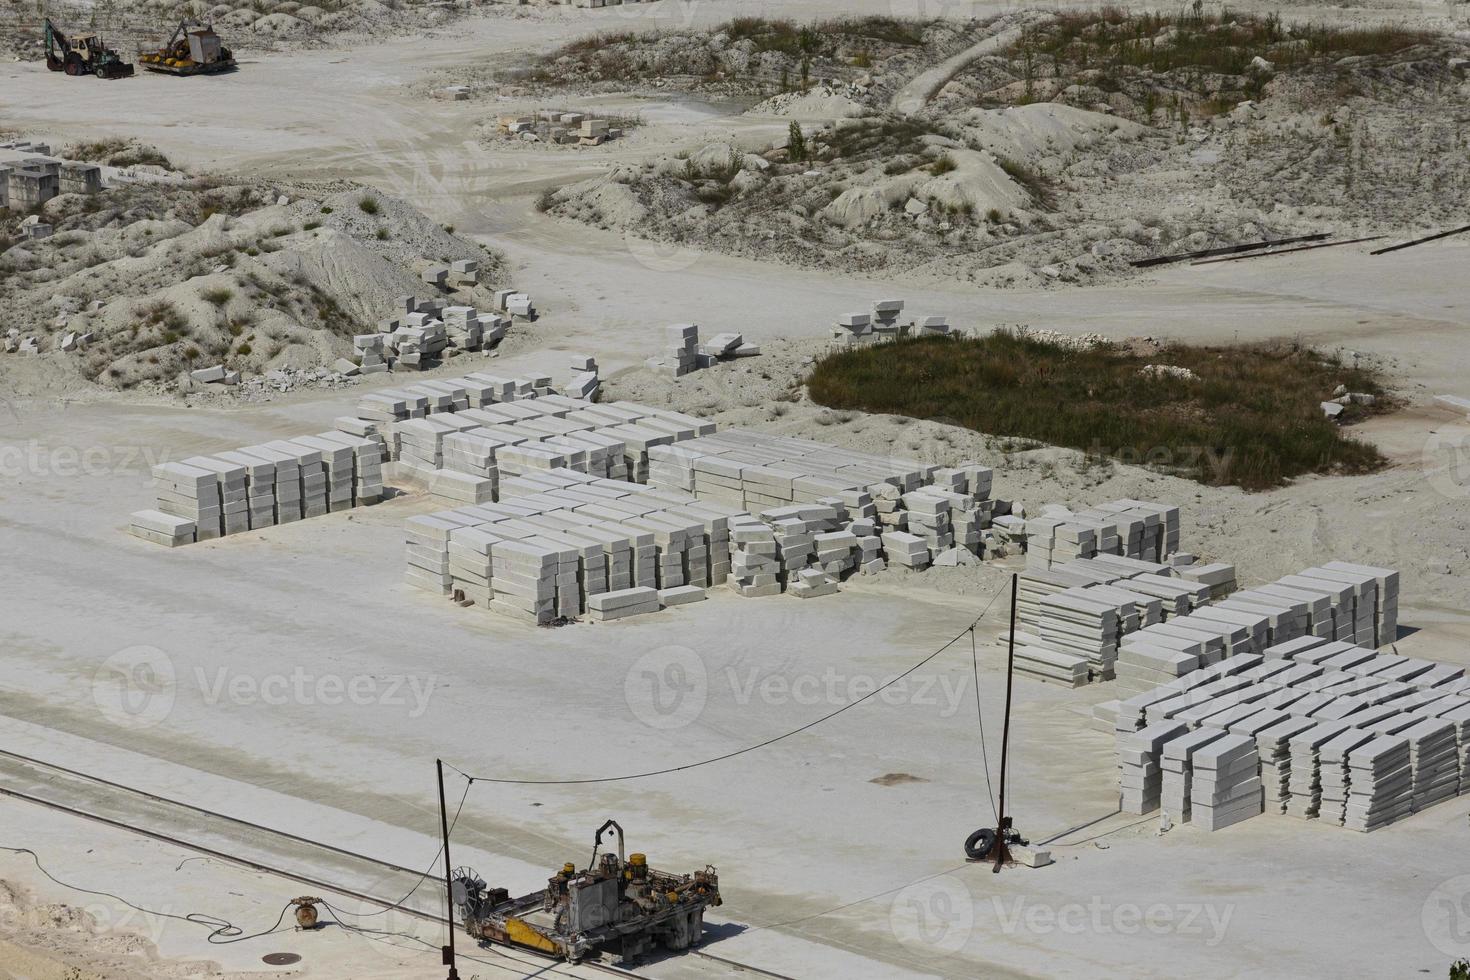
x=194, y=49
x=83, y=54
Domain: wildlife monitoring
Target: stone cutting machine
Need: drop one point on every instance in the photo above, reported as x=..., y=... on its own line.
x=618, y=906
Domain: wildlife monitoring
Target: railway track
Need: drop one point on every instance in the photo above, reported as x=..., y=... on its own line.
x=314, y=863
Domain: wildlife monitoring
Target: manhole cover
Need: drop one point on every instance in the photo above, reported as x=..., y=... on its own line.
x=281, y=959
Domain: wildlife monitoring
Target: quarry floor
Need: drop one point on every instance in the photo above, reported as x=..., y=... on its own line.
x=839, y=848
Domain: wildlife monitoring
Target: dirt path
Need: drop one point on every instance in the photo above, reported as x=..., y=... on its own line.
x=917, y=93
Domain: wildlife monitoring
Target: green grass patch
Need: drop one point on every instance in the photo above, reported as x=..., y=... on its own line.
x=1251, y=418
x=1223, y=42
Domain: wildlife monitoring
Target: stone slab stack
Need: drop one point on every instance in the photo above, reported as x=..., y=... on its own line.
x=886, y=322
x=624, y=603
x=1273, y=744
x=755, y=567
x=232, y=487
x=1177, y=764
x=1380, y=783
x=169, y=530
x=191, y=493
x=854, y=328
x=1075, y=623
x=1142, y=775
x=1225, y=785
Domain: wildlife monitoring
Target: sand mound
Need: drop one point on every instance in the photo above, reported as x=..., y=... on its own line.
x=253, y=287
x=1035, y=134
x=819, y=103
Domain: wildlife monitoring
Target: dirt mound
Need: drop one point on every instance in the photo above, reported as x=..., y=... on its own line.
x=168, y=282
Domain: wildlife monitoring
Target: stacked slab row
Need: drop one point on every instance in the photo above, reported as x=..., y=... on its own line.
x=205, y=497
x=1311, y=728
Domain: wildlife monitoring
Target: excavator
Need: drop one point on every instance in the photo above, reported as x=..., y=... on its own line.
x=194, y=49
x=84, y=54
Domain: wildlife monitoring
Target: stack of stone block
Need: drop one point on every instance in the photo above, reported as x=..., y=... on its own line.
x=462, y=327
x=681, y=355
x=853, y=328
x=464, y=273
x=593, y=132
x=1074, y=622
x=169, y=530
x=724, y=347
x=231, y=485
x=885, y=321
x=191, y=493
x=367, y=350
x=755, y=567
x=1225, y=787
x=908, y=550
x=515, y=304
x=583, y=384
x=1139, y=752
x=932, y=326
x=623, y=603
x=338, y=464
x=1177, y=763
x=274, y=483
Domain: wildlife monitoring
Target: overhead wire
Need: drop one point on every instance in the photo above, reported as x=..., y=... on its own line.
x=766, y=743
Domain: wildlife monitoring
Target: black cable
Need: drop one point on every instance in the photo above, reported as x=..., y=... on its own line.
x=224, y=931
x=749, y=748
x=422, y=878
x=980, y=719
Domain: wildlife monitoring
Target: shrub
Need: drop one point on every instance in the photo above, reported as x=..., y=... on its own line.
x=796, y=147
x=219, y=295
x=368, y=204
x=945, y=164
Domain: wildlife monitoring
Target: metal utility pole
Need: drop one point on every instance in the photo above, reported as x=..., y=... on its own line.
x=448, y=884
x=1000, y=852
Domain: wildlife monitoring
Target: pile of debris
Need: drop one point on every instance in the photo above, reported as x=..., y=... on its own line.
x=557, y=126
x=418, y=336
x=686, y=353
x=885, y=322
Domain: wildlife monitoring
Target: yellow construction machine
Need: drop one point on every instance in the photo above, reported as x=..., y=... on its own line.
x=194, y=49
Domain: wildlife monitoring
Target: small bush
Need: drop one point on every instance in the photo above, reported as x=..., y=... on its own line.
x=382, y=234
x=219, y=295
x=368, y=204
x=945, y=164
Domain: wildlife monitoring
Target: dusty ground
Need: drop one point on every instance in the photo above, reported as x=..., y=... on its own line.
x=819, y=861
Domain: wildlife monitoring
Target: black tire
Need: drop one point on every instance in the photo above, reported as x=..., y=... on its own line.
x=978, y=844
